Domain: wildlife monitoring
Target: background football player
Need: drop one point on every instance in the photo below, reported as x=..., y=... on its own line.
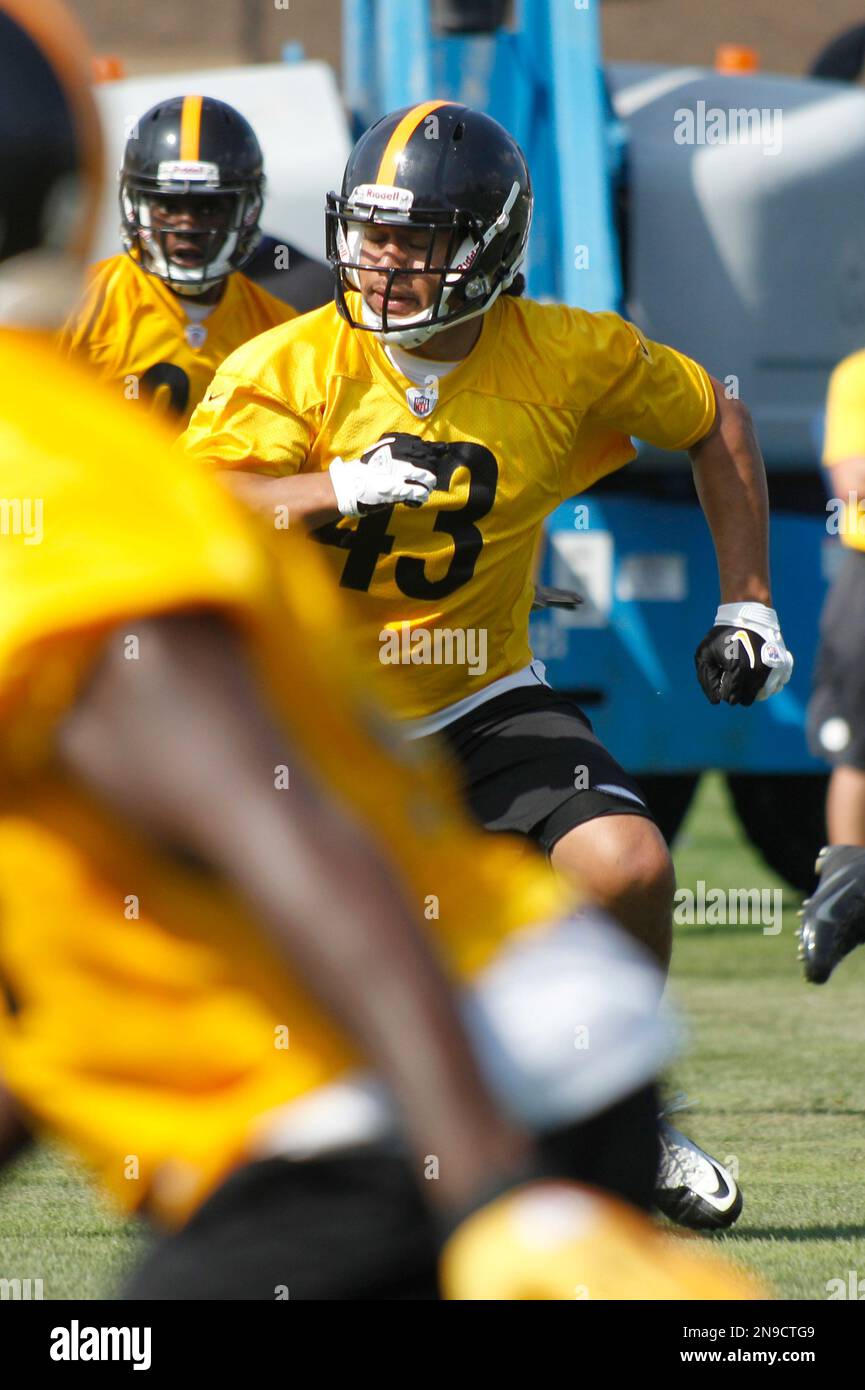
x=169, y=906
x=158, y=320
x=424, y=426
x=836, y=714
x=834, y=917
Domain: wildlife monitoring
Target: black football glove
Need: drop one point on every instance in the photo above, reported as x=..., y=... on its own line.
x=743, y=658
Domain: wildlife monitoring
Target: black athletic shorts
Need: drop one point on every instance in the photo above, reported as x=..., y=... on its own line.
x=836, y=713
x=531, y=763
x=354, y=1226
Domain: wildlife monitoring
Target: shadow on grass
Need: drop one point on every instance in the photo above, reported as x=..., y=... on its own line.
x=800, y=1111
x=684, y=930
x=791, y=1233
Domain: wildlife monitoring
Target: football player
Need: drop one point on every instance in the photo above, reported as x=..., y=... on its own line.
x=157, y=319
x=423, y=427
x=836, y=713
x=243, y=1042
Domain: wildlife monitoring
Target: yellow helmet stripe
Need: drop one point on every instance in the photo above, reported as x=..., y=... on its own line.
x=387, y=169
x=190, y=128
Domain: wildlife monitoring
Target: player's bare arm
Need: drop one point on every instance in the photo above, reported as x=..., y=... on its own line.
x=731, y=483
x=160, y=744
x=309, y=497
x=388, y=474
x=743, y=657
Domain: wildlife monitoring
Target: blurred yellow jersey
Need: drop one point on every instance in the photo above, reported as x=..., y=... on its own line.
x=153, y=1026
x=137, y=334
x=845, y=436
x=542, y=407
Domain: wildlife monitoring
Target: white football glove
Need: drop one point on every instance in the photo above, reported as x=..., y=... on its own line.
x=385, y=474
x=743, y=658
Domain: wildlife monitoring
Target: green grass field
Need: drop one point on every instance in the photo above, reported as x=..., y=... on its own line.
x=775, y=1065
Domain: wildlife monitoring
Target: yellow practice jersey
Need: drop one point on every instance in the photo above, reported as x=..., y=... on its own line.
x=845, y=437
x=152, y=1025
x=543, y=406
x=137, y=334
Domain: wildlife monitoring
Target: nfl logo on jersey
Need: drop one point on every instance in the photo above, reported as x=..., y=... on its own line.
x=195, y=334
x=423, y=399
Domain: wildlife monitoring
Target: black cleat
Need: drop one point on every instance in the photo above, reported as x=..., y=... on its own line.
x=833, y=918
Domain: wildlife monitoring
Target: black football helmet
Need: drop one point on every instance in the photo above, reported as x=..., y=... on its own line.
x=192, y=148
x=440, y=167
x=51, y=148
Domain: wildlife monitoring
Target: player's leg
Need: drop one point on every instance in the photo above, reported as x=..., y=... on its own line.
x=836, y=713
x=623, y=864
x=531, y=763
x=845, y=805
x=834, y=916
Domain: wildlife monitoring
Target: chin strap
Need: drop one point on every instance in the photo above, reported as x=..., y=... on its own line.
x=193, y=291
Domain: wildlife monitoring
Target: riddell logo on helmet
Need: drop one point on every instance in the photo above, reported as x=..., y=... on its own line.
x=469, y=260
x=382, y=195
x=187, y=171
